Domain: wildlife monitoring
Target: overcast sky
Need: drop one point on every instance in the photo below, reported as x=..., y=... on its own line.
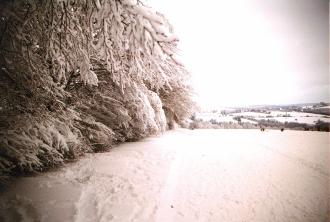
x=248, y=52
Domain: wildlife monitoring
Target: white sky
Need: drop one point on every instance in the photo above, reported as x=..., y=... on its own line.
x=248, y=52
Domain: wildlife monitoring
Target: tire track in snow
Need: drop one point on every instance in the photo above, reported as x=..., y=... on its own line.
x=167, y=194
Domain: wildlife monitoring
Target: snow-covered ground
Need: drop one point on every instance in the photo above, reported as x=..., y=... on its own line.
x=185, y=175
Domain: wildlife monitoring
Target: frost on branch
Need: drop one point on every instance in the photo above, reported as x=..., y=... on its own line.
x=79, y=76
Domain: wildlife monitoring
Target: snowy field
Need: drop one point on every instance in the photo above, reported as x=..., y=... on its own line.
x=185, y=175
x=215, y=116
x=299, y=117
x=280, y=116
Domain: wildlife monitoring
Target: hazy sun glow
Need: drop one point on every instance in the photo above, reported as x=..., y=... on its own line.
x=253, y=52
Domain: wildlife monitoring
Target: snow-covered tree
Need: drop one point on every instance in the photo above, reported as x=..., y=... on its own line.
x=79, y=75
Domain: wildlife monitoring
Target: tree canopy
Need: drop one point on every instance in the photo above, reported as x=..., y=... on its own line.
x=80, y=75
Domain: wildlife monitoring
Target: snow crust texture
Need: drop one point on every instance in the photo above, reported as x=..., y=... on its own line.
x=185, y=175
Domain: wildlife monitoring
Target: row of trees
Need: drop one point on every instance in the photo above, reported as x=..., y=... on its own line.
x=78, y=76
x=259, y=123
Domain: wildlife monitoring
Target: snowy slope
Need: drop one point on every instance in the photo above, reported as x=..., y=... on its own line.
x=280, y=116
x=185, y=175
x=215, y=116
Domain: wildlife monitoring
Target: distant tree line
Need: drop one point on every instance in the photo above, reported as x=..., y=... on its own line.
x=261, y=123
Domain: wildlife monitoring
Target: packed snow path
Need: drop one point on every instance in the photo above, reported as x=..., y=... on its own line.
x=185, y=175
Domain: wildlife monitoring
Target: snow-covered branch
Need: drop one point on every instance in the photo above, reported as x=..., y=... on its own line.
x=78, y=76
